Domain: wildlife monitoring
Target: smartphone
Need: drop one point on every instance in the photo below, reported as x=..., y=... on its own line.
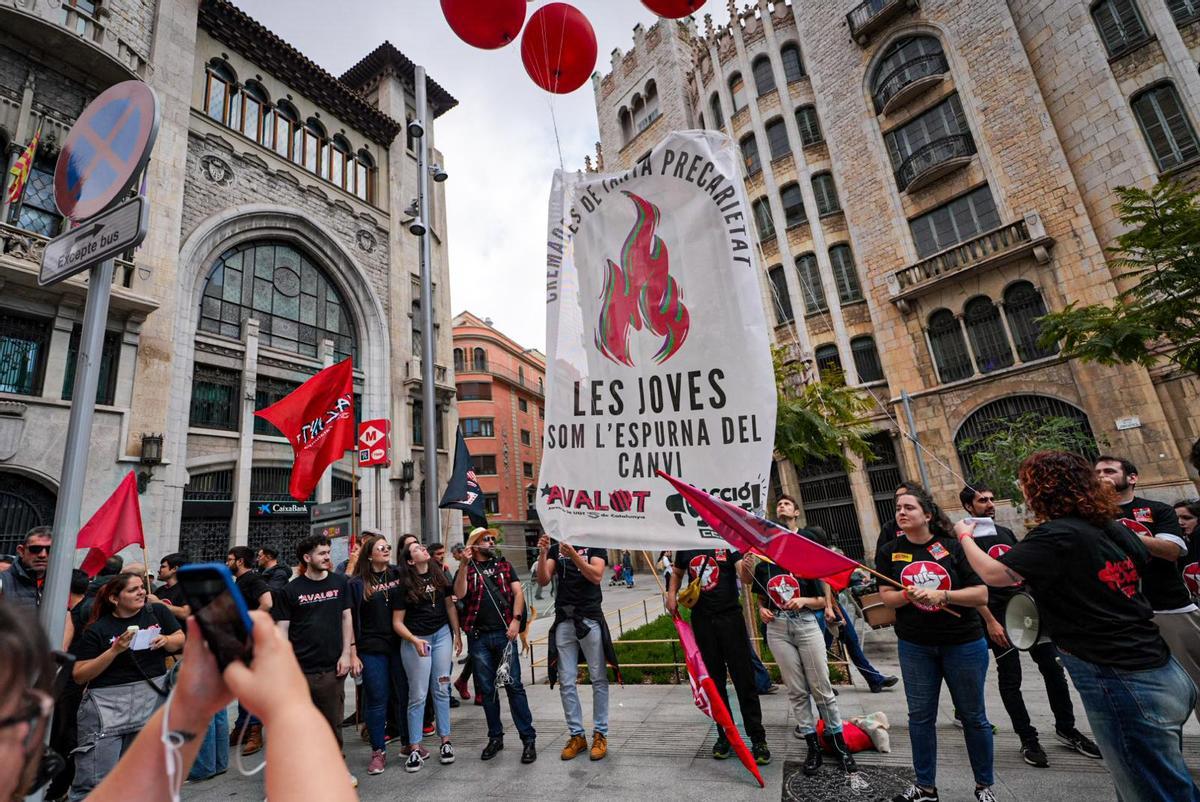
x=219, y=609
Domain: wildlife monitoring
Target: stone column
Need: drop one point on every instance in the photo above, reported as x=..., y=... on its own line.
x=59, y=348
x=864, y=504
x=128, y=360
x=240, y=533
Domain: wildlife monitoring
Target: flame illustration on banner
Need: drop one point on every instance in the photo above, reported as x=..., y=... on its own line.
x=641, y=291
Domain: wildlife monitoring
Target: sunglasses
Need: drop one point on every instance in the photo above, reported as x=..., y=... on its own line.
x=487, y=540
x=36, y=549
x=37, y=708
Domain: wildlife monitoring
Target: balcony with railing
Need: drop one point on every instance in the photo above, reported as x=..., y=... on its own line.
x=1007, y=243
x=22, y=251
x=441, y=376
x=934, y=160
x=871, y=16
x=517, y=379
x=910, y=80
x=59, y=27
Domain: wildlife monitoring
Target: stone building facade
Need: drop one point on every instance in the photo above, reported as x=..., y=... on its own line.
x=502, y=409
x=928, y=177
x=278, y=244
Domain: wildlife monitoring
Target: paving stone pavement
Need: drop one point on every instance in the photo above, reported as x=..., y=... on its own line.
x=659, y=750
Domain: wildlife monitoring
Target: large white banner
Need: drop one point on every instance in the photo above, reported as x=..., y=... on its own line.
x=658, y=351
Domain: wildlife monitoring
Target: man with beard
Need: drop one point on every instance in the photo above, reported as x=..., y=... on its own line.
x=1157, y=526
x=493, y=602
x=21, y=584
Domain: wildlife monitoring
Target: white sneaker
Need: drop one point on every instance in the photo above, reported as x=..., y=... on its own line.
x=447, y=753
x=414, y=762
x=353, y=781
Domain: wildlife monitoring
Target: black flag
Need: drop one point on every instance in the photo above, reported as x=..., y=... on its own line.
x=463, y=491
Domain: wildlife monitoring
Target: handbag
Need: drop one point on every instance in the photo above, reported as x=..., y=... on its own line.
x=689, y=595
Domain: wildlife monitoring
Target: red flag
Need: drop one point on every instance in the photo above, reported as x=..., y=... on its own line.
x=117, y=524
x=704, y=691
x=747, y=532
x=318, y=419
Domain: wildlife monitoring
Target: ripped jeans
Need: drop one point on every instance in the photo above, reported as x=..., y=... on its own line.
x=426, y=675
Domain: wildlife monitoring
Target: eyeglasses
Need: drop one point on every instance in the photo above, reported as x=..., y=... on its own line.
x=383, y=547
x=37, y=708
x=36, y=549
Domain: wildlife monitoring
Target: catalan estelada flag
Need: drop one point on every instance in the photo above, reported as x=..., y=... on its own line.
x=22, y=166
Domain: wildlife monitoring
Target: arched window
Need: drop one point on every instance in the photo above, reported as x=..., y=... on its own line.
x=714, y=109
x=998, y=415
x=364, y=179
x=829, y=363
x=737, y=91
x=626, y=122
x=845, y=274
x=651, y=112
x=905, y=61
x=810, y=284
x=866, y=359
x=24, y=504
x=1120, y=25
x=296, y=304
x=1165, y=126
x=809, y=125
x=986, y=332
x=793, y=65
x=777, y=138
x=780, y=296
x=219, y=90
x=254, y=100
x=750, y=155
x=764, y=76
x=762, y=218
x=826, y=192
x=949, y=348
x=287, y=123
x=1023, y=305
x=637, y=107
x=307, y=142
x=479, y=360
x=339, y=160
x=459, y=362
x=793, y=205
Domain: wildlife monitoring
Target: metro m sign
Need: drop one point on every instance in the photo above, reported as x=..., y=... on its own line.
x=373, y=443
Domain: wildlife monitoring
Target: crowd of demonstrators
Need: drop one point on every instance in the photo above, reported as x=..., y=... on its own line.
x=939, y=639
x=376, y=592
x=980, y=502
x=578, y=629
x=21, y=582
x=428, y=623
x=493, y=604
x=314, y=614
x=1157, y=526
x=721, y=636
x=1093, y=582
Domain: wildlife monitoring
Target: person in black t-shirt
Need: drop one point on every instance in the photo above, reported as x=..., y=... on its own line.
x=314, y=614
x=980, y=502
x=1157, y=526
x=721, y=636
x=940, y=640
x=579, y=628
x=116, y=675
x=275, y=575
x=891, y=530
x=1188, y=513
x=240, y=562
x=170, y=594
x=1085, y=571
x=376, y=593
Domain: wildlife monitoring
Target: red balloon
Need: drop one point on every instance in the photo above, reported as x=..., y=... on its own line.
x=486, y=24
x=559, y=48
x=673, y=9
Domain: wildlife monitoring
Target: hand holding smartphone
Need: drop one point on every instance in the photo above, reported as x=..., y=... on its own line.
x=220, y=611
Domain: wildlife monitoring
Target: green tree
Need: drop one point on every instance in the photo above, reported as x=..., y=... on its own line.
x=1159, y=314
x=997, y=456
x=818, y=420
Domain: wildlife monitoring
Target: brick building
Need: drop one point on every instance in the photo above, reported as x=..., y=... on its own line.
x=501, y=407
x=277, y=245
x=927, y=178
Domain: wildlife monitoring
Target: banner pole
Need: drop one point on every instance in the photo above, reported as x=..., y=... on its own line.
x=354, y=499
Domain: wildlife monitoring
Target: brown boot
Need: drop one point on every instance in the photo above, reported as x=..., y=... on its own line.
x=235, y=735
x=599, y=746
x=253, y=743
x=574, y=746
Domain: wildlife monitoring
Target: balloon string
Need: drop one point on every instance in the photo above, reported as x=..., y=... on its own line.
x=552, y=79
x=557, y=141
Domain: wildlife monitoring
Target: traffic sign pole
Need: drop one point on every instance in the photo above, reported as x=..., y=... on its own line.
x=75, y=457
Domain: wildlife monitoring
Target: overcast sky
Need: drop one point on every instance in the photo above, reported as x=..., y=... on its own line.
x=499, y=143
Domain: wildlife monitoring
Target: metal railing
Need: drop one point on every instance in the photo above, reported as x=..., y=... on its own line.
x=907, y=74
x=932, y=155
x=512, y=377
x=17, y=243
x=998, y=241
x=90, y=29
x=871, y=14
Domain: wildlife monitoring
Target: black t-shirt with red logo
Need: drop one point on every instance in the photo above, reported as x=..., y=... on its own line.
x=1189, y=566
x=775, y=586
x=718, y=579
x=940, y=565
x=1085, y=580
x=1161, y=580
x=995, y=545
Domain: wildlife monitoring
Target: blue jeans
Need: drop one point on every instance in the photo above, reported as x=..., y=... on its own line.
x=1137, y=720
x=963, y=667
x=213, y=757
x=854, y=651
x=487, y=650
x=431, y=672
x=383, y=680
x=628, y=577
x=569, y=646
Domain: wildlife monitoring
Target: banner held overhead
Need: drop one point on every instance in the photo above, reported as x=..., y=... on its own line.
x=658, y=351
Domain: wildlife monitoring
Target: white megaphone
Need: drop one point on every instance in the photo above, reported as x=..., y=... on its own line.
x=1023, y=622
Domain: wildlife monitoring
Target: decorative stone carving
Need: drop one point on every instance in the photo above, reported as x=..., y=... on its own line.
x=216, y=169
x=365, y=240
x=12, y=426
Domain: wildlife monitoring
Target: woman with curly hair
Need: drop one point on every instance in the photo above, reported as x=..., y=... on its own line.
x=940, y=639
x=1084, y=571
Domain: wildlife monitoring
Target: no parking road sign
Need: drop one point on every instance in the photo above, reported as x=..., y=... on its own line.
x=373, y=442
